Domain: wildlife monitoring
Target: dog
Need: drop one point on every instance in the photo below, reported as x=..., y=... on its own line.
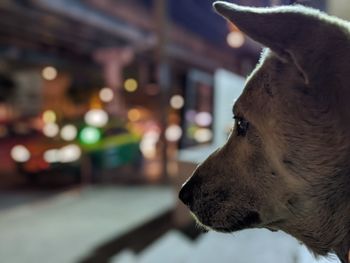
x=286, y=163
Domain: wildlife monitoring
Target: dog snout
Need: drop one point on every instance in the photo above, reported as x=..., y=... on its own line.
x=186, y=192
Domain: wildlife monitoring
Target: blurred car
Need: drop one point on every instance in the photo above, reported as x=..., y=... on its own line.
x=63, y=149
x=111, y=147
x=37, y=155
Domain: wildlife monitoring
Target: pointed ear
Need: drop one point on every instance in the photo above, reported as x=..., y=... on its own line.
x=292, y=32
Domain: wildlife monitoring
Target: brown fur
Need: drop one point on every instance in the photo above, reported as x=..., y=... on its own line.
x=291, y=170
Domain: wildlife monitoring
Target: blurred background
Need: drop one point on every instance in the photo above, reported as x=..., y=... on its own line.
x=106, y=107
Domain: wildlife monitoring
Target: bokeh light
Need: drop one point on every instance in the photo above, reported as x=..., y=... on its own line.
x=203, y=119
x=96, y=118
x=49, y=116
x=49, y=73
x=90, y=135
x=51, y=130
x=177, y=102
x=130, y=85
x=190, y=116
x=69, y=153
x=235, y=39
x=20, y=153
x=134, y=115
x=152, y=89
x=173, y=133
x=148, y=145
x=106, y=94
x=203, y=135
x=69, y=132
x=51, y=156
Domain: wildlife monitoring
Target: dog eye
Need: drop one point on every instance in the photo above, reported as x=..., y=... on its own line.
x=242, y=126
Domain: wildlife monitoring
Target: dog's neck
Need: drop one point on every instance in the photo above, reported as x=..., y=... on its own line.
x=344, y=252
x=319, y=238
x=342, y=248
x=345, y=257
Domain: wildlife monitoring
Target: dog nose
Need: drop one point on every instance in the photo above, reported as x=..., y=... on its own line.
x=185, y=195
x=186, y=192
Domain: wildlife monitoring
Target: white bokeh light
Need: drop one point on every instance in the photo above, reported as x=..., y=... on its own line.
x=20, y=153
x=49, y=73
x=96, y=118
x=51, y=156
x=203, y=119
x=69, y=153
x=51, y=130
x=69, y=132
x=235, y=39
x=106, y=94
x=148, y=144
x=173, y=133
x=177, y=102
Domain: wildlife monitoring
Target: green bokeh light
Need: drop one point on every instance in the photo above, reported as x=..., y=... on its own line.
x=90, y=135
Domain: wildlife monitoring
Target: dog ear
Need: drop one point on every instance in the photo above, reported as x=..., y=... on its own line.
x=292, y=32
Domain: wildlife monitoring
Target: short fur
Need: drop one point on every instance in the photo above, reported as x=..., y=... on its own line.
x=291, y=171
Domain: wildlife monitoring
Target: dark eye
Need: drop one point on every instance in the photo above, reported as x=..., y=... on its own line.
x=242, y=126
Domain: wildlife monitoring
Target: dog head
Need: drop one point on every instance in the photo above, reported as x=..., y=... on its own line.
x=285, y=165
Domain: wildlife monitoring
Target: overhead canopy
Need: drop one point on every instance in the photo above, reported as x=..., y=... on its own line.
x=76, y=28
